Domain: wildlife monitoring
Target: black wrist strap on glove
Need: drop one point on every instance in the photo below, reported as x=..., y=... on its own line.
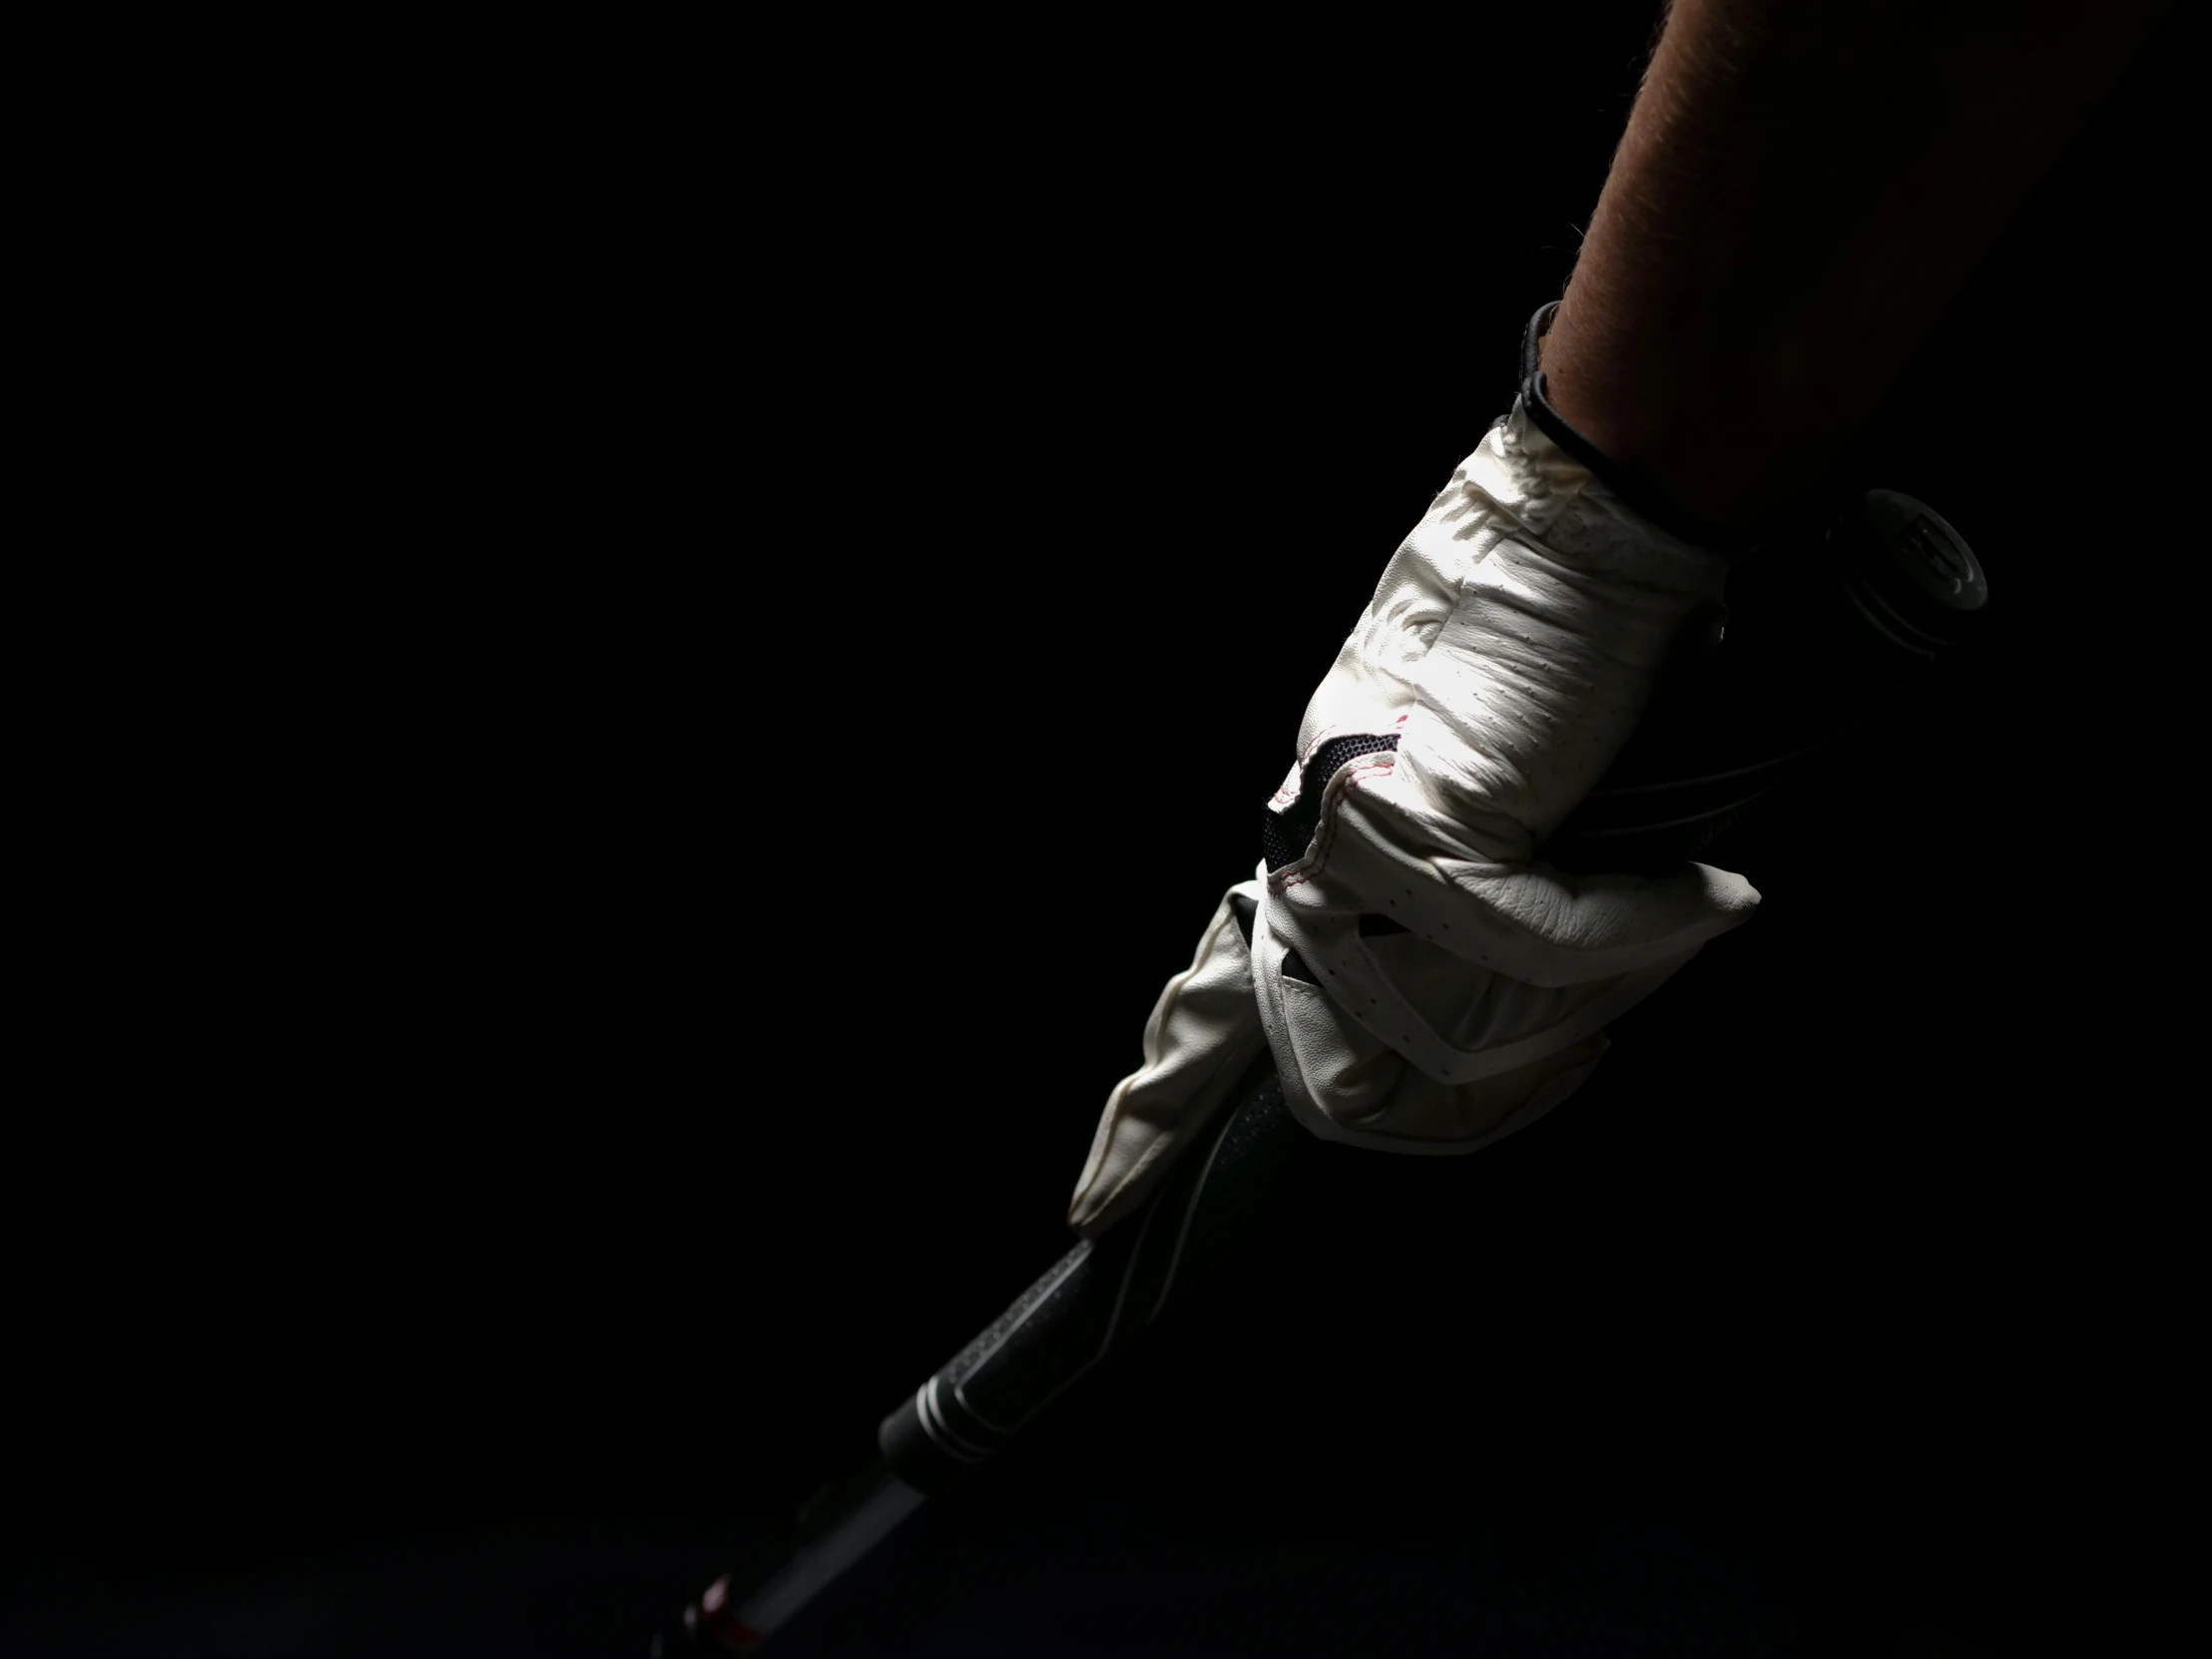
x=1637, y=492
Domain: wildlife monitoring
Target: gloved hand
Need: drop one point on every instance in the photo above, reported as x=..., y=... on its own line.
x=1427, y=982
x=1204, y=1032
x=1424, y=981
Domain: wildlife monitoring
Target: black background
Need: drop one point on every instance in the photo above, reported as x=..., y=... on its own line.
x=687, y=787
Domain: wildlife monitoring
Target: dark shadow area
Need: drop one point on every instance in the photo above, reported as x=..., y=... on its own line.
x=625, y=986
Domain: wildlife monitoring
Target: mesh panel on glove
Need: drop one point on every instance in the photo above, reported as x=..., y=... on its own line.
x=1290, y=830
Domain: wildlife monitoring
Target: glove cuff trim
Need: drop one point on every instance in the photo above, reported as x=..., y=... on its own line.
x=1639, y=493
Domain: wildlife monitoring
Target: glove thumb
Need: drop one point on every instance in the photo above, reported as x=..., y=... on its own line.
x=1204, y=1033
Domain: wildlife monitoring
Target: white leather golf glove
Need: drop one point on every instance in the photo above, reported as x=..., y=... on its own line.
x=1424, y=981
x=1204, y=1032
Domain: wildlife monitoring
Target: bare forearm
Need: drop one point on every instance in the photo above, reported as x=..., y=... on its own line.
x=1802, y=190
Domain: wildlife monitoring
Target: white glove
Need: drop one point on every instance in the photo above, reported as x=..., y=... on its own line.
x=1204, y=1031
x=1513, y=646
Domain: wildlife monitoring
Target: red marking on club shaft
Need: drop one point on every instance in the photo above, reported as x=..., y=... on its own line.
x=720, y=1621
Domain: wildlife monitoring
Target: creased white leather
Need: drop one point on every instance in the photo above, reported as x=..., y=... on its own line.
x=1513, y=644
x=1204, y=1032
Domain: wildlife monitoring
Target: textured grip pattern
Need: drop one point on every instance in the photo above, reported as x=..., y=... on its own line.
x=1054, y=1331
x=1099, y=1295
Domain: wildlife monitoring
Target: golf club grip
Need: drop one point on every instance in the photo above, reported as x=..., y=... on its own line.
x=1822, y=625
x=1821, y=633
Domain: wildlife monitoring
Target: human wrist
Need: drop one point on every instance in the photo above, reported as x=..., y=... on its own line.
x=1609, y=451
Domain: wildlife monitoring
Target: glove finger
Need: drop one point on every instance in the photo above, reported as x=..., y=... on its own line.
x=1203, y=1033
x=1335, y=1072
x=1554, y=928
x=1345, y=1084
x=1530, y=921
x=1472, y=1010
x=1374, y=1072
x=1425, y=1116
